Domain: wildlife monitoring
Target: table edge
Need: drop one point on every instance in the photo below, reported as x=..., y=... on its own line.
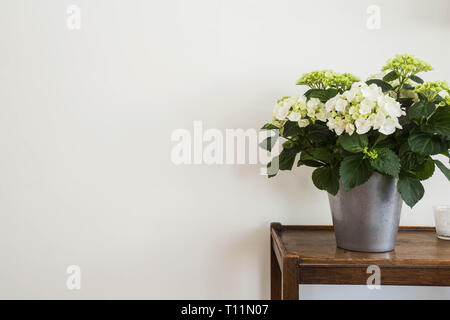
x=281, y=227
x=276, y=228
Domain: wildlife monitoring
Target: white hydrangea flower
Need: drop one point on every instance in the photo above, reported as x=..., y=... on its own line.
x=282, y=107
x=313, y=103
x=363, y=125
x=321, y=114
x=366, y=106
x=330, y=105
x=289, y=101
x=389, y=126
x=353, y=94
x=340, y=128
x=349, y=128
x=362, y=108
x=377, y=120
x=303, y=123
x=337, y=124
x=391, y=106
x=294, y=116
x=301, y=110
x=371, y=92
x=341, y=104
x=316, y=110
x=280, y=112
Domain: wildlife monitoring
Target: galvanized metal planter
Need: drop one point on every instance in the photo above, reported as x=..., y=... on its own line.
x=367, y=218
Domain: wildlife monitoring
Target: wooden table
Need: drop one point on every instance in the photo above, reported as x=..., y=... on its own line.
x=308, y=255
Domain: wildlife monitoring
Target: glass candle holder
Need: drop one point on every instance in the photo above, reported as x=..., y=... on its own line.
x=442, y=221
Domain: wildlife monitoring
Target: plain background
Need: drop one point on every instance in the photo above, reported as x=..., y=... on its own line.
x=87, y=115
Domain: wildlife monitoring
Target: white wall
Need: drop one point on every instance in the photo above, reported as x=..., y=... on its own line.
x=85, y=126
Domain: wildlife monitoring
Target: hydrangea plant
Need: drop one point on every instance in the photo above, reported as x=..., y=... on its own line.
x=346, y=129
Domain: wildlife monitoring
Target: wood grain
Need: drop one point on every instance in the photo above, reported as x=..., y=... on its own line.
x=289, y=283
x=275, y=272
x=413, y=246
x=308, y=255
x=389, y=276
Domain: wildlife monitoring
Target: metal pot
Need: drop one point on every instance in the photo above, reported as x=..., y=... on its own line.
x=367, y=218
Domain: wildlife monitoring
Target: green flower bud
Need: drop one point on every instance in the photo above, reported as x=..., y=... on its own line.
x=405, y=64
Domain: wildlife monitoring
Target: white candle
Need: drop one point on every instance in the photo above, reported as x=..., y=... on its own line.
x=442, y=221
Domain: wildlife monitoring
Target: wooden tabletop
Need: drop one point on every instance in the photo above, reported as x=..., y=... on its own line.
x=309, y=255
x=316, y=245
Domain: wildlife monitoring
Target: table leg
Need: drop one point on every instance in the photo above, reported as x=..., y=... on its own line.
x=275, y=276
x=289, y=284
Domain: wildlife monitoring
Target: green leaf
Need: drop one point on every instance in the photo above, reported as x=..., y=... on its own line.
x=421, y=109
x=426, y=170
x=287, y=158
x=391, y=76
x=354, y=170
x=322, y=94
x=438, y=99
x=269, y=126
x=439, y=122
x=416, y=79
x=387, y=143
x=326, y=178
x=425, y=143
x=273, y=167
x=290, y=129
x=407, y=86
x=322, y=154
x=354, y=143
x=422, y=96
x=268, y=143
x=410, y=189
x=443, y=168
x=387, y=162
x=406, y=102
x=319, y=132
x=382, y=84
x=376, y=137
x=410, y=160
x=308, y=160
